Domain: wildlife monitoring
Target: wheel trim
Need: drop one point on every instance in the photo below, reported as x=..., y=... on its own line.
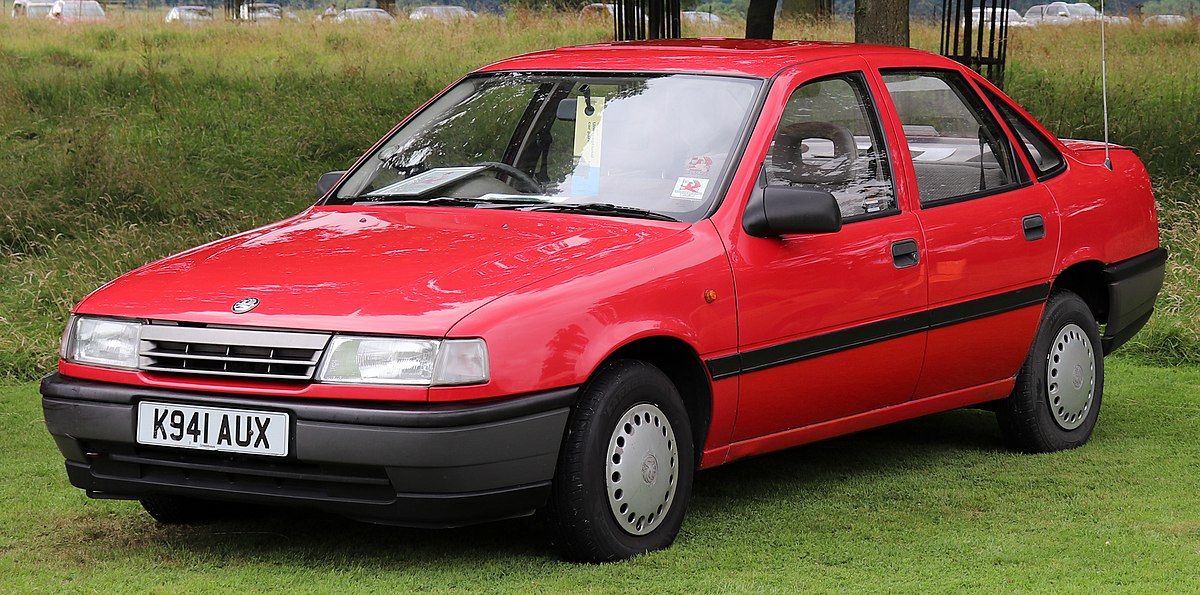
x=642, y=469
x=1070, y=376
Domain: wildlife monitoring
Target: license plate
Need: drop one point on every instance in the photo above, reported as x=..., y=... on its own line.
x=211, y=428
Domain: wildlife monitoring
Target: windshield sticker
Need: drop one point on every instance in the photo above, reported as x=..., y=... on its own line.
x=588, y=131
x=426, y=181
x=585, y=181
x=690, y=188
x=699, y=165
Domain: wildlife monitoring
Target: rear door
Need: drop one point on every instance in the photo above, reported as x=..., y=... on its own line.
x=990, y=230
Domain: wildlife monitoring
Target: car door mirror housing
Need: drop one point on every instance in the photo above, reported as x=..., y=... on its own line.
x=326, y=182
x=779, y=210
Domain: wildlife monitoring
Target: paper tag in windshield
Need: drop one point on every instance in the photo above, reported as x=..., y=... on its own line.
x=426, y=181
x=690, y=188
x=588, y=130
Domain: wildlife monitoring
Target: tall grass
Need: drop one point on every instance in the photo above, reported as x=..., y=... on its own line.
x=122, y=143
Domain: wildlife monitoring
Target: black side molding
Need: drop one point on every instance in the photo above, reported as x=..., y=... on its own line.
x=1133, y=286
x=874, y=332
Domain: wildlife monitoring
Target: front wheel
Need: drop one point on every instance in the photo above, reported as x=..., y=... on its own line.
x=625, y=471
x=1056, y=401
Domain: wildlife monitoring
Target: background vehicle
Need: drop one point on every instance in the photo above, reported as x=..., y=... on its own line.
x=77, y=11
x=1014, y=18
x=31, y=10
x=1167, y=20
x=441, y=13
x=189, y=15
x=696, y=17
x=265, y=12
x=1055, y=13
x=364, y=15
x=565, y=287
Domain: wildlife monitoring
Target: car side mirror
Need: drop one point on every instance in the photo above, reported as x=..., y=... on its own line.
x=327, y=181
x=779, y=210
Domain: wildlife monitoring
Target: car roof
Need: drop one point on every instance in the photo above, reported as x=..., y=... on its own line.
x=749, y=57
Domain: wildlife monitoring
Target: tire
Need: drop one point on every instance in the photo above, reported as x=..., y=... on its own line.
x=181, y=510
x=622, y=483
x=1056, y=401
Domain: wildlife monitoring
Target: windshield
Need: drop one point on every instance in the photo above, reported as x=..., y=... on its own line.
x=660, y=143
x=38, y=10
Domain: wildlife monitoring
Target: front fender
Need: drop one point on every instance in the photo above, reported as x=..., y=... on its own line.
x=556, y=331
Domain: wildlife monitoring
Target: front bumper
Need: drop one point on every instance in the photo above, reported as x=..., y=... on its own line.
x=425, y=465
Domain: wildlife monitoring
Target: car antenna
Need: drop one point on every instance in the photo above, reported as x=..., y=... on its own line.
x=1104, y=84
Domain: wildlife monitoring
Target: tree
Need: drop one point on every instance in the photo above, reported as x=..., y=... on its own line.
x=883, y=22
x=760, y=19
x=807, y=9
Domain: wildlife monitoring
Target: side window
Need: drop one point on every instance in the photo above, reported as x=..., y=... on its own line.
x=1042, y=153
x=958, y=150
x=829, y=137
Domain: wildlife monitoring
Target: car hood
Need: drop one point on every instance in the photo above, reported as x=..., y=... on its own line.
x=405, y=270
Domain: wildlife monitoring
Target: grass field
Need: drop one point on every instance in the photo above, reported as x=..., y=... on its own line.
x=933, y=505
x=121, y=144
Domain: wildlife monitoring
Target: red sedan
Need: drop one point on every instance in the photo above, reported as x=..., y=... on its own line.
x=576, y=277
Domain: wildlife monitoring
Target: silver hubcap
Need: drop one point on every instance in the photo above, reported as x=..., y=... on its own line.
x=1070, y=377
x=643, y=464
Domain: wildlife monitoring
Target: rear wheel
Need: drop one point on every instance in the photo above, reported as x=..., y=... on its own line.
x=625, y=470
x=1056, y=400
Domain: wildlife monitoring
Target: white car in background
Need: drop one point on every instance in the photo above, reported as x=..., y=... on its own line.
x=189, y=15
x=441, y=13
x=265, y=12
x=1168, y=20
x=1014, y=18
x=696, y=17
x=31, y=10
x=1055, y=13
x=365, y=15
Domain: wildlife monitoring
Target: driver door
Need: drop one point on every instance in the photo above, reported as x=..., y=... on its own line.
x=829, y=323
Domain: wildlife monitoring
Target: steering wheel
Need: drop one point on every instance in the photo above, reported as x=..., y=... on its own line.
x=531, y=184
x=788, y=153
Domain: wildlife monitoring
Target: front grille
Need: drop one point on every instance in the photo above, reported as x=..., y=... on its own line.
x=246, y=353
x=241, y=474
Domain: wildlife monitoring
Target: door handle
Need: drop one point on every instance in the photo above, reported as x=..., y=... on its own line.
x=1034, y=227
x=905, y=254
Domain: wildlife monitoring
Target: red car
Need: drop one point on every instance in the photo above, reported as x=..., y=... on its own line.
x=576, y=277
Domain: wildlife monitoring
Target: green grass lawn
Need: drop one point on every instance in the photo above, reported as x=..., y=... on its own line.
x=934, y=504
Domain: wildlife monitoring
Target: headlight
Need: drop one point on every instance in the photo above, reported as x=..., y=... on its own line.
x=102, y=342
x=404, y=361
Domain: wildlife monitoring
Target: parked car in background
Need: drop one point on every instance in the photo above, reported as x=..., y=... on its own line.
x=364, y=15
x=577, y=277
x=1055, y=13
x=1165, y=20
x=441, y=13
x=23, y=9
x=1015, y=20
x=77, y=11
x=266, y=12
x=189, y=15
x=696, y=17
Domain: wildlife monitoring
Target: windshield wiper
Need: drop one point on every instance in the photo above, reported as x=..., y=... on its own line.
x=601, y=208
x=450, y=201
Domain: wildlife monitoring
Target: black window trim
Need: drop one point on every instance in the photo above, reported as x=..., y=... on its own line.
x=996, y=101
x=873, y=121
x=1023, y=179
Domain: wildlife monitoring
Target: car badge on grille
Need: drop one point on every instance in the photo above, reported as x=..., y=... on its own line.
x=246, y=305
